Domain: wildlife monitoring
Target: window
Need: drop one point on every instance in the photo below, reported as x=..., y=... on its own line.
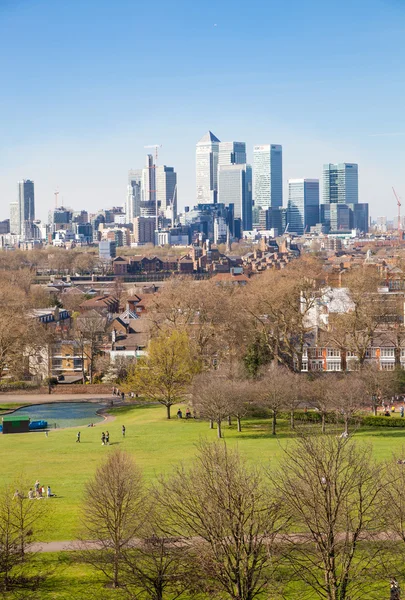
x=387, y=366
x=333, y=366
x=333, y=352
x=387, y=352
x=77, y=363
x=56, y=363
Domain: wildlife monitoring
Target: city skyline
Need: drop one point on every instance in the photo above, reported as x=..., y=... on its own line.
x=84, y=124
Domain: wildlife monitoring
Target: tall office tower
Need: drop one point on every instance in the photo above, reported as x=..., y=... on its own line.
x=15, y=221
x=144, y=230
x=340, y=183
x=235, y=188
x=148, y=191
x=303, y=204
x=232, y=153
x=268, y=176
x=134, y=195
x=207, y=151
x=166, y=190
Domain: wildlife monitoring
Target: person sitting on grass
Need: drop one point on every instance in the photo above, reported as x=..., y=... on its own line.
x=179, y=414
x=49, y=493
x=31, y=494
x=188, y=413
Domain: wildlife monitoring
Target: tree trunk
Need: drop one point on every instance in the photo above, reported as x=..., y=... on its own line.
x=346, y=424
x=239, y=423
x=219, y=429
x=229, y=420
x=273, y=423
x=292, y=420
x=375, y=410
x=211, y=424
x=168, y=410
x=323, y=421
x=115, y=568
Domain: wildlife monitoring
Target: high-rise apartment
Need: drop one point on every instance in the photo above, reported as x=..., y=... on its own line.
x=268, y=176
x=340, y=183
x=207, y=151
x=303, y=204
x=232, y=153
x=235, y=188
x=166, y=190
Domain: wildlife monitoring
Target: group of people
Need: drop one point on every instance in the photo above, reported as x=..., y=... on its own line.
x=38, y=492
x=188, y=414
x=105, y=436
x=116, y=392
x=387, y=412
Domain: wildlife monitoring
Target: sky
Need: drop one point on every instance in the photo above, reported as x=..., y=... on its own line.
x=85, y=85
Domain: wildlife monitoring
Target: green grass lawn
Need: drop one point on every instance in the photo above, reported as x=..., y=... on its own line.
x=156, y=444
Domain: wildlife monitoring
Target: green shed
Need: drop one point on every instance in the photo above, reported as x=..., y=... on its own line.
x=16, y=424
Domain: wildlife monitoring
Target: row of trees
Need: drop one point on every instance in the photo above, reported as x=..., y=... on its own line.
x=326, y=522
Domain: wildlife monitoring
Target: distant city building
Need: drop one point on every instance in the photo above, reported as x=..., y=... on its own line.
x=107, y=250
x=5, y=226
x=60, y=216
x=134, y=195
x=80, y=216
x=340, y=183
x=382, y=224
x=207, y=151
x=166, y=188
x=24, y=209
x=235, y=188
x=232, y=153
x=144, y=230
x=303, y=204
x=268, y=176
x=148, y=190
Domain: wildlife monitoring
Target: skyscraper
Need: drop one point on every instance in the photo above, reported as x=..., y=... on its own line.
x=207, y=151
x=268, y=176
x=166, y=188
x=235, y=188
x=303, y=204
x=340, y=183
x=24, y=209
x=148, y=206
x=134, y=195
x=232, y=153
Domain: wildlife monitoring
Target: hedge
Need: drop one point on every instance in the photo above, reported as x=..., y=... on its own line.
x=382, y=421
x=6, y=386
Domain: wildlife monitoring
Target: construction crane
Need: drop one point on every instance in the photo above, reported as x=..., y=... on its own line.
x=398, y=199
x=56, y=199
x=156, y=147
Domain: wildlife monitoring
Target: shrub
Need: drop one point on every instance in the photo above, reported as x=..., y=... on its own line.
x=372, y=421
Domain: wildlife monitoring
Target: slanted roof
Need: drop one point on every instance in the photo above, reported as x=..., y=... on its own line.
x=208, y=138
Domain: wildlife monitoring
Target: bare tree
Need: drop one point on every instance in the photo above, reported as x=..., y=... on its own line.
x=317, y=394
x=223, y=510
x=89, y=331
x=20, y=520
x=331, y=490
x=346, y=394
x=274, y=390
x=379, y=385
x=211, y=398
x=112, y=513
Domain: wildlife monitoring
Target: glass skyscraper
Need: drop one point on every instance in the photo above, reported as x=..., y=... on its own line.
x=166, y=182
x=268, y=176
x=232, y=153
x=303, y=204
x=340, y=183
x=235, y=188
x=207, y=151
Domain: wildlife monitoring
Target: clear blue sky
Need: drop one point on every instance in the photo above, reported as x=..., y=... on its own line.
x=86, y=84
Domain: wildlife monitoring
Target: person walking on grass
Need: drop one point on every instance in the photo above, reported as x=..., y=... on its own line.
x=123, y=431
x=103, y=439
x=78, y=437
x=107, y=438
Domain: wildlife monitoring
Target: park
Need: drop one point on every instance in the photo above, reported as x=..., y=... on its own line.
x=158, y=446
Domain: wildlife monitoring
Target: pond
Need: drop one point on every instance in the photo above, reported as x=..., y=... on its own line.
x=64, y=414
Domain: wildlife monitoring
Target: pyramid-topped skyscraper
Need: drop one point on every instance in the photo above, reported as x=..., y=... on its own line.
x=207, y=151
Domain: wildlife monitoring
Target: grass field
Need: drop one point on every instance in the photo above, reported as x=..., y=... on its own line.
x=156, y=444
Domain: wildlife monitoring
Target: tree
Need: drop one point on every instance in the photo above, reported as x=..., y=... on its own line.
x=211, y=398
x=331, y=490
x=89, y=331
x=84, y=263
x=14, y=333
x=279, y=303
x=346, y=395
x=112, y=513
x=274, y=390
x=19, y=523
x=166, y=373
x=317, y=392
x=223, y=511
x=379, y=385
